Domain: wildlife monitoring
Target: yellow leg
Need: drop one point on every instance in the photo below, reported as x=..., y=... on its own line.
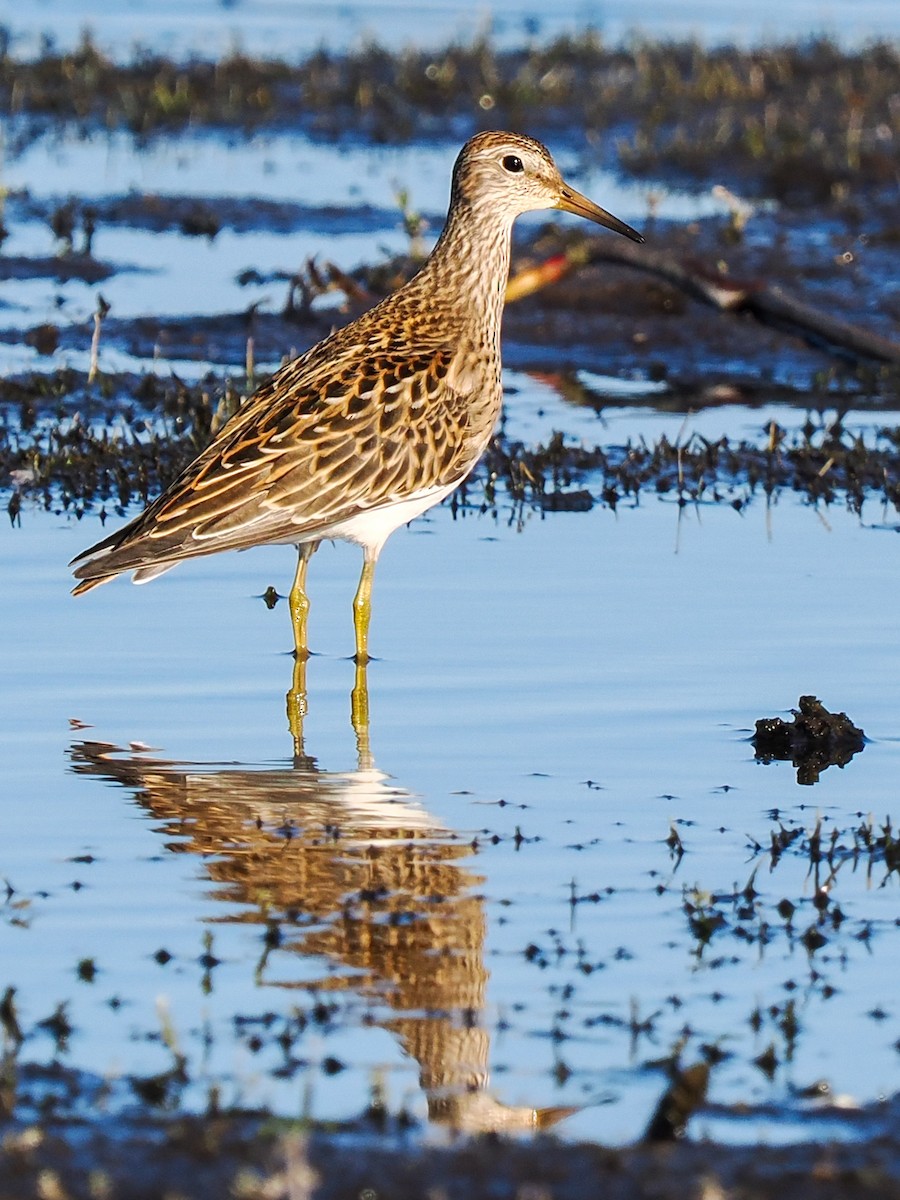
x=359, y=716
x=362, y=607
x=299, y=601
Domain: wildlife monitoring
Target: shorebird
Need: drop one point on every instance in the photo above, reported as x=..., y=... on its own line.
x=377, y=422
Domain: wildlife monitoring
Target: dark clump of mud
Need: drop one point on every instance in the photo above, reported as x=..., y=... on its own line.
x=814, y=740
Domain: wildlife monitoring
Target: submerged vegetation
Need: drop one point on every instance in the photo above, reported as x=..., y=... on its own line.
x=73, y=446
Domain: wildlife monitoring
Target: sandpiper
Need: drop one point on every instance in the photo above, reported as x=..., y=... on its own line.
x=377, y=422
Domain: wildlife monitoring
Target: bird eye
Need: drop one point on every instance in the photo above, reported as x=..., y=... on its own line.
x=513, y=164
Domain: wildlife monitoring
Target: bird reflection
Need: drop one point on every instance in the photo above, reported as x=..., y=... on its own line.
x=353, y=871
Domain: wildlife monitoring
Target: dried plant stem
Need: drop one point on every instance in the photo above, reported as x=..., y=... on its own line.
x=100, y=313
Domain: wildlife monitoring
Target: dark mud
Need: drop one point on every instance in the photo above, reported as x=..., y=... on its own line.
x=615, y=318
x=250, y=1159
x=75, y=221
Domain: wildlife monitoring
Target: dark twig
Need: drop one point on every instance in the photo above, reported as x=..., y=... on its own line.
x=770, y=304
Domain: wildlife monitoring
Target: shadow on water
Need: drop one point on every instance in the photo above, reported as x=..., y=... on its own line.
x=351, y=870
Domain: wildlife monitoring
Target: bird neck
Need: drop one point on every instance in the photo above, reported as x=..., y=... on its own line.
x=470, y=262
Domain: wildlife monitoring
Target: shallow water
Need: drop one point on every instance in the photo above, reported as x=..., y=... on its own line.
x=554, y=692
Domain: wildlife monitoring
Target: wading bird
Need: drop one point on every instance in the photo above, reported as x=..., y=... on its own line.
x=377, y=422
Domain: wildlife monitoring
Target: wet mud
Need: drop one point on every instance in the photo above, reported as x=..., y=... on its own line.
x=249, y=1159
x=605, y=315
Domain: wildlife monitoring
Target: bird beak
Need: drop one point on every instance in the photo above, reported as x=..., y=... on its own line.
x=574, y=202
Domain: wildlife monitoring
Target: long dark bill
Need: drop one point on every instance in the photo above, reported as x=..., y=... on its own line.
x=574, y=202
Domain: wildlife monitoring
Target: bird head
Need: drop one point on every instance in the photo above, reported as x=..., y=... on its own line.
x=514, y=174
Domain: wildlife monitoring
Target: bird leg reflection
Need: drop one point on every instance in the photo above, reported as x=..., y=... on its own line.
x=297, y=705
x=359, y=717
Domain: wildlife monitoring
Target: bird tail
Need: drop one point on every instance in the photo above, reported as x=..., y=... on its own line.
x=86, y=584
x=111, y=557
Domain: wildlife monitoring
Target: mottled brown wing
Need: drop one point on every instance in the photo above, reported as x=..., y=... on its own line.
x=318, y=444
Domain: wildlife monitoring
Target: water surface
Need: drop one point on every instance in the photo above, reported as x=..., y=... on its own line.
x=550, y=695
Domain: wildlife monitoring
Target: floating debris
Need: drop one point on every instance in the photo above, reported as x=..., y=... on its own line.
x=814, y=740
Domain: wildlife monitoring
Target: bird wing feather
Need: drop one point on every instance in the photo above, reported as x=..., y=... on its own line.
x=319, y=443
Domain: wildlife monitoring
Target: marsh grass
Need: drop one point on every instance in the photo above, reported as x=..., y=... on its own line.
x=67, y=444
x=798, y=122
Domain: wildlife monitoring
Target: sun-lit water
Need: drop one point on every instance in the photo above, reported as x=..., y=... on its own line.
x=554, y=692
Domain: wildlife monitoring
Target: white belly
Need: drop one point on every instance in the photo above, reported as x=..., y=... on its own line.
x=372, y=527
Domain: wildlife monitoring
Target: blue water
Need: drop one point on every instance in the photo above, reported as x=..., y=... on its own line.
x=598, y=673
